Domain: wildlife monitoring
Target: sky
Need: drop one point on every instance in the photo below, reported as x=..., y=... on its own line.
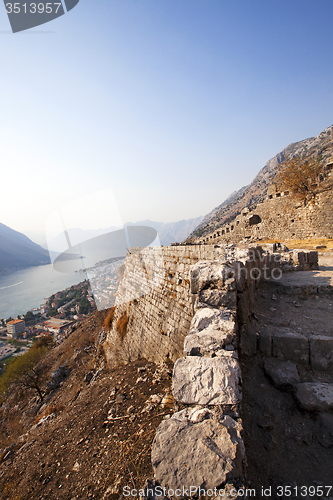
x=160, y=108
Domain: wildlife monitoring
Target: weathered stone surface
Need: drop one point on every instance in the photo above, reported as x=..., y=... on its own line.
x=283, y=374
x=315, y=396
x=206, y=342
x=208, y=381
x=321, y=353
x=159, y=319
x=324, y=429
x=58, y=376
x=227, y=297
x=219, y=319
x=194, y=414
x=205, y=274
x=291, y=346
x=204, y=453
x=195, y=275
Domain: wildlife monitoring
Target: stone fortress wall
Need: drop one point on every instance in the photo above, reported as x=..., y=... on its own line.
x=192, y=304
x=281, y=216
x=155, y=303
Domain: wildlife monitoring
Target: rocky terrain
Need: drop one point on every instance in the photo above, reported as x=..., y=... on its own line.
x=92, y=434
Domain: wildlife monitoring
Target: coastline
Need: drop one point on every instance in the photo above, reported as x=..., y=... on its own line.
x=26, y=289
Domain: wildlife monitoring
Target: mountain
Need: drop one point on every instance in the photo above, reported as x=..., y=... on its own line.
x=168, y=232
x=18, y=251
x=320, y=146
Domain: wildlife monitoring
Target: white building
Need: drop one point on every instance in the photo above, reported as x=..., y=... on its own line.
x=15, y=327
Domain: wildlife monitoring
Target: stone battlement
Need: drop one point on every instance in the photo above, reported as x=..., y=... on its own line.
x=281, y=216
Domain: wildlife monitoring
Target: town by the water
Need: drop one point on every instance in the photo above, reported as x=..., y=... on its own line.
x=57, y=315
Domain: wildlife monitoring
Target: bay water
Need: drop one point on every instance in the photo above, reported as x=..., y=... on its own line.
x=23, y=290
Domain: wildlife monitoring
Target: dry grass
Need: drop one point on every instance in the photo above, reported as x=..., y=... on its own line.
x=121, y=325
x=308, y=243
x=141, y=440
x=57, y=408
x=109, y=319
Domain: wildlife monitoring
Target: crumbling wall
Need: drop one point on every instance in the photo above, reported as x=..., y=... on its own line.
x=281, y=216
x=155, y=305
x=207, y=379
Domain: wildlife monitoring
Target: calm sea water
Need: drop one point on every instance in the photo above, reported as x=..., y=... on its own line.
x=21, y=291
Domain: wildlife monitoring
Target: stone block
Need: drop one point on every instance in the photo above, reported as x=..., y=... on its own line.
x=291, y=346
x=207, y=274
x=220, y=319
x=244, y=306
x=325, y=289
x=321, y=353
x=315, y=396
x=201, y=453
x=299, y=257
x=195, y=275
x=207, y=381
x=283, y=374
x=312, y=257
x=217, y=298
x=207, y=341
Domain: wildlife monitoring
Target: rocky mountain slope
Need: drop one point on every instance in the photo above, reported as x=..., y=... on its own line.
x=92, y=434
x=17, y=250
x=320, y=146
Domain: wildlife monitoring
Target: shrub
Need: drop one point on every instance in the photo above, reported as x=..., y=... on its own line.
x=24, y=370
x=299, y=175
x=121, y=325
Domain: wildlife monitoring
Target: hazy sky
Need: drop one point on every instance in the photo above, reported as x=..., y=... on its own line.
x=171, y=104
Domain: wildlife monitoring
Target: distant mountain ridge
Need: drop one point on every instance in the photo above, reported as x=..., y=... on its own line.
x=320, y=146
x=18, y=251
x=168, y=232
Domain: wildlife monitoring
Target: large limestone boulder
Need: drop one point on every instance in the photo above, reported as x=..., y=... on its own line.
x=217, y=298
x=206, y=342
x=218, y=319
x=205, y=274
x=207, y=381
x=193, y=449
